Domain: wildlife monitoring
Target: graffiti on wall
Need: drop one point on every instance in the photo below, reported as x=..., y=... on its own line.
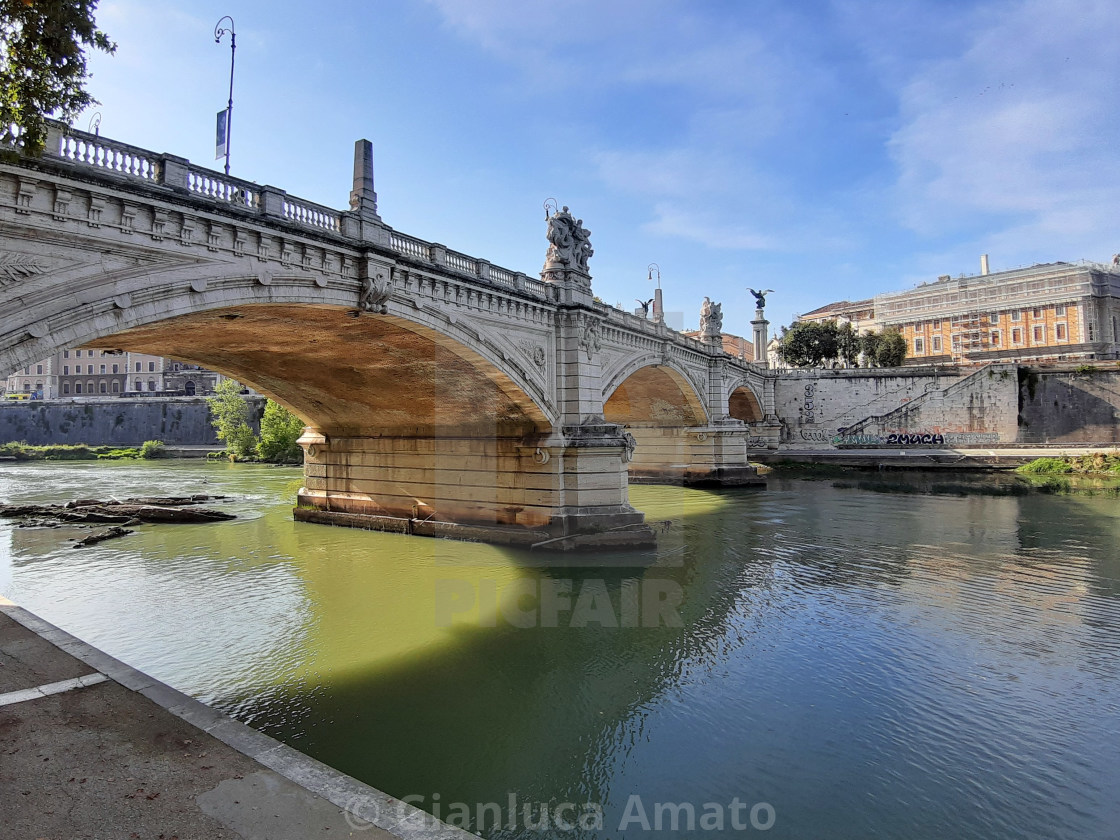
x=808, y=411
x=908, y=438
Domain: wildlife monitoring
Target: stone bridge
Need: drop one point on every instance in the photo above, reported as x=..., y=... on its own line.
x=443, y=394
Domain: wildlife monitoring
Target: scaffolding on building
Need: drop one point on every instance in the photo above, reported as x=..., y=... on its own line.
x=971, y=300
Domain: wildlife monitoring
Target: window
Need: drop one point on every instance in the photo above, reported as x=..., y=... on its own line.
x=77, y=387
x=89, y=386
x=1060, y=309
x=139, y=386
x=66, y=370
x=996, y=338
x=955, y=338
x=1036, y=313
x=137, y=367
x=66, y=354
x=1090, y=326
x=1036, y=335
x=103, y=368
x=102, y=387
x=919, y=346
x=1017, y=336
x=151, y=384
x=39, y=370
x=77, y=354
x=935, y=344
x=27, y=371
x=994, y=317
x=66, y=387
x=39, y=387
x=1016, y=315
x=151, y=366
x=116, y=386
x=89, y=368
x=115, y=368
x=27, y=387
x=1060, y=332
x=937, y=325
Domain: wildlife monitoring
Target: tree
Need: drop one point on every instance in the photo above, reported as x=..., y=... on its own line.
x=808, y=343
x=892, y=349
x=847, y=345
x=885, y=349
x=280, y=429
x=229, y=414
x=43, y=66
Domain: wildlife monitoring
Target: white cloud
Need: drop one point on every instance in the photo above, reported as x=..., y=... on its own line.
x=1014, y=137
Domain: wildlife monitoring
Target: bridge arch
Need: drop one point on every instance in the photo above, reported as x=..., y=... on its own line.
x=743, y=402
x=302, y=341
x=650, y=391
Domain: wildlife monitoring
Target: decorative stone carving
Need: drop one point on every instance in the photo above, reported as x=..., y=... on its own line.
x=590, y=338
x=569, y=243
x=376, y=290
x=631, y=444
x=25, y=195
x=711, y=322
x=96, y=208
x=15, y=267
x=62, y=197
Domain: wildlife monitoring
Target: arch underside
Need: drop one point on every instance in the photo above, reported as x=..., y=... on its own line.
x=655, y=396
x=347, y=376
x=743, y=405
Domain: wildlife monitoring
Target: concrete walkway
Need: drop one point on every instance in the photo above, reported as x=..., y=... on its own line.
x=91, y=748
x=926, y=457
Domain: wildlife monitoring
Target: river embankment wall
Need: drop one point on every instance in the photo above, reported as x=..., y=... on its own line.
x=177, y=421
x=998, y=405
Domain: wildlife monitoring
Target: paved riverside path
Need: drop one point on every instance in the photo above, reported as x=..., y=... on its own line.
x=928, y=457
x=91, y=748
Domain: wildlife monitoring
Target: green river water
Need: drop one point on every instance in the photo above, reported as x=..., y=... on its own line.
x=850, y=657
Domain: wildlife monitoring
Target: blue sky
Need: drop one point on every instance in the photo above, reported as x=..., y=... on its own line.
x=826, y=150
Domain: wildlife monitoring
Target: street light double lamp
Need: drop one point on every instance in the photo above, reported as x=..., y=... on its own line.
x=225, y=118
x=658, y=307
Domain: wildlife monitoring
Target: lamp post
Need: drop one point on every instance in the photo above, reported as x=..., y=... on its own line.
x=658, y=308
x=219, y=31
x=95, y=124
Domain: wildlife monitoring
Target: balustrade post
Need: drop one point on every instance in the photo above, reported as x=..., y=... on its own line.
x=174, y=172
x=437, y=253
x=272, y=201
x=483, y=267
x=53, y=143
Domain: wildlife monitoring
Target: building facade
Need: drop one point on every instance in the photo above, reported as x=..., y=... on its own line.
x=81, y=373
x=1054, y=311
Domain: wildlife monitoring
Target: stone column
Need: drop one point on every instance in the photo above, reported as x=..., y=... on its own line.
x=760, y=338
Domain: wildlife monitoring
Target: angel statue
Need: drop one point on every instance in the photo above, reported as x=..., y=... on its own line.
x=759, y=297
x=645, y=306
x=711, y=319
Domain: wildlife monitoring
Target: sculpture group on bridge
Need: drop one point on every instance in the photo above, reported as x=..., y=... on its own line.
x=711, y=319
x=569, y=242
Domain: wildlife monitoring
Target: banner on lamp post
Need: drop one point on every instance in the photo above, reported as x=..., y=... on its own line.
x=221, y=134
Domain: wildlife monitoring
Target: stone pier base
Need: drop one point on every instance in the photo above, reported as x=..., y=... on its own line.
x=567, y=492
x=714, y=456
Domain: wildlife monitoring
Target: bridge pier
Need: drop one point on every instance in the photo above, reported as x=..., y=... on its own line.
x=566, y=492
x=711, y=456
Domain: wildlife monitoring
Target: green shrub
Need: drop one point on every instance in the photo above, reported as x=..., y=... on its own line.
x=280, y=429
x=1047, y=466
x=152, y=449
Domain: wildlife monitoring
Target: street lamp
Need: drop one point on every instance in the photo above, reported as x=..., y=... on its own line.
x=219, y=31
x=95, y=124
x=658, y=309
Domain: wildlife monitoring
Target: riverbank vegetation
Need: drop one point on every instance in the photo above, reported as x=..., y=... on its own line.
x=280, y=429
x=80, y=452
x=1097, y=463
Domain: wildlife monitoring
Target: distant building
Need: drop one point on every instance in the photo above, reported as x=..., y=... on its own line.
x=1053, y=311
x=80, y=373
x=734, y=345
x=859, y=313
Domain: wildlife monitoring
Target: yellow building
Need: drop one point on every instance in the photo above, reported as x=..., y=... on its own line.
x=1051, y=311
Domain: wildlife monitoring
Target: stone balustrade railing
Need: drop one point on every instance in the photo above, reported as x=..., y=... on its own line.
x=133, y=163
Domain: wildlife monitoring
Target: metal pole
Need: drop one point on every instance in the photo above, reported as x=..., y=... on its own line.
x=218, y=33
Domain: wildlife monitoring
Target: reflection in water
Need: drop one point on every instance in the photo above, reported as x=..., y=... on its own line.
x=868, y=663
